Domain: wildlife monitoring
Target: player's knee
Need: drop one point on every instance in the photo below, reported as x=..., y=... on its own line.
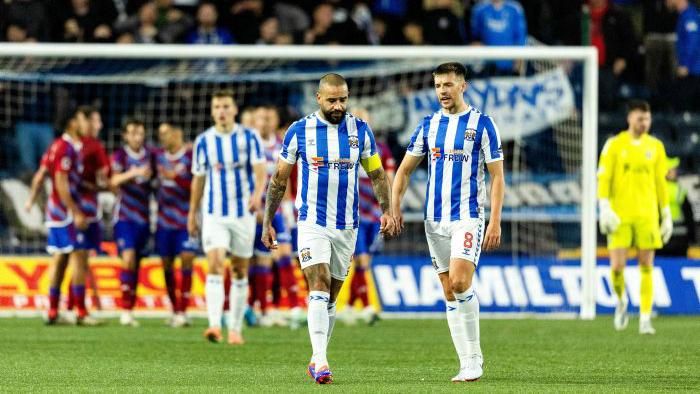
x=459, y=285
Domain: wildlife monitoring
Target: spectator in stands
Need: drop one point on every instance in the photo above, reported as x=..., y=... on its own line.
x=325, y=31
x=140, y=28
x=659, y=38
x=441, y=26
x=611, y=32
x=156, y=22
x=291, y=19
x=244, y=19
x=688, y=55
x=499, y=23
x=83, y=21
x=270, y=33
x=413, y=33
x=25, y=21
x=207, y=32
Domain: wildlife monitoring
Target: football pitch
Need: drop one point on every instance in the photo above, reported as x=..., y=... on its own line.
x=398, y=356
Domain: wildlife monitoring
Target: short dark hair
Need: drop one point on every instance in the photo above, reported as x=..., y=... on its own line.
x=638, y=105
x=86, y=110
x=332, y=79
x=222, y=93
x=132, y=121
x=451, y=67
x=67, y=116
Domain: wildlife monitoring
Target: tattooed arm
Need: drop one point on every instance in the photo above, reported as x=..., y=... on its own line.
x=275, y=194
x=382, y=191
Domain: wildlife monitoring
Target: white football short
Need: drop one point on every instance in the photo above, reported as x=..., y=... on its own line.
x=237, y=235
x=454, y=240
x=319, y=245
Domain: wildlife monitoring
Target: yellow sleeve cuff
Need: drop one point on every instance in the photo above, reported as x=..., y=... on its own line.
x=371, y=163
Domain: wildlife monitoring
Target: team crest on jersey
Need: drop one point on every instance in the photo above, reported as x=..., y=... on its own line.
x=470, y=134
x=305, y=255
x=354, y=141
x=648, y=155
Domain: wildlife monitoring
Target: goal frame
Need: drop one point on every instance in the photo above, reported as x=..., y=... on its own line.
x=587, y=55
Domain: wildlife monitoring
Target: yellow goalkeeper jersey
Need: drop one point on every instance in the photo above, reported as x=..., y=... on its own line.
x=632, y=175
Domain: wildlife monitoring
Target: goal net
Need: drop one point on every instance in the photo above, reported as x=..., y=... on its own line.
x=542, y=99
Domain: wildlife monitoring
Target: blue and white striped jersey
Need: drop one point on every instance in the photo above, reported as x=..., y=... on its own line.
x=327, y=192
x=227, y=162
x=458, y=146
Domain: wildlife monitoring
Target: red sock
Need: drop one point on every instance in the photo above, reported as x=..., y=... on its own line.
x=227, y=288
x=79, y=299
x=275, y=285
x=185, y=288
x=170, y=287
x=54, y=299
x=71, y=301
x=359, y=284
x=134, y=285
x=126, y=278
x=289, y=282
x=263, y=285
x=252, y=274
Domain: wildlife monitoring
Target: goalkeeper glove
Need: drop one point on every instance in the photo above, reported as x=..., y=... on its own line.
x=666, y=224
x=608, y=221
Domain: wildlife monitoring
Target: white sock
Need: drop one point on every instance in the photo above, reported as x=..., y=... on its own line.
x=238, y=298
x=331, y=321
x=468, y=306
x=458, y=331
x=318, y=321
x=644, y=317
x=214, y=293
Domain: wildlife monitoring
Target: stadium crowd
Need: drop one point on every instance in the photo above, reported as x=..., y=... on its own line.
x=647, y=48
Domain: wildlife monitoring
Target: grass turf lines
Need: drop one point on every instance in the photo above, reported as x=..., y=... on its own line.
x=401, y=356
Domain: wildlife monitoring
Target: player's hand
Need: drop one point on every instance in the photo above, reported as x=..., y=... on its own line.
x=608, y=221
x=269, y=237
x=192, y=226
x=666, y=225
x=387, y=226
x=79, y=220
x=398, y=220
x=28, y=206
x=492, y=238
x=145, y=171
x=255, y=204
x=682, y=72
x=167, y=174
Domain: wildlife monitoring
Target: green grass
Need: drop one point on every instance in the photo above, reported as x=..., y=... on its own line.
x=399, y=356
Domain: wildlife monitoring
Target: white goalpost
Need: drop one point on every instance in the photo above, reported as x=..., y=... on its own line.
x=170, y=83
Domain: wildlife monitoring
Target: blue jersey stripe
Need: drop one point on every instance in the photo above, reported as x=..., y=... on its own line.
x=343, y=177
x=237, y=175
x=473, y=182
x=288, y=140
x=493, y=139
x=373, y=143
x=248, y=165
x=361, y=131
x=439, y=164
x=222, y=173
x=301, y=151
x=456, y=195
x=426, y=128
x=323, y=174
x=202, y=150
